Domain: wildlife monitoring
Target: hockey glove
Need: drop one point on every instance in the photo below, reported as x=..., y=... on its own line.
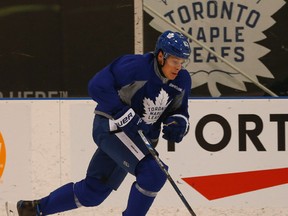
x=130, y=122
x=175, y=127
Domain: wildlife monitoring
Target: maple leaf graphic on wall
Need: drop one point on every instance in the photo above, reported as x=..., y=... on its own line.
x=232, y=30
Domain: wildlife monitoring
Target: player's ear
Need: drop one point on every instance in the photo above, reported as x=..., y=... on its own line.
x=160, y=57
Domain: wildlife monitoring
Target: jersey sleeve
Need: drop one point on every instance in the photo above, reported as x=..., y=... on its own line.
x=104, y=86
x=181, y=102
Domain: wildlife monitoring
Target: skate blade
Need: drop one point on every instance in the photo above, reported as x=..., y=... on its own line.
x=11, y=209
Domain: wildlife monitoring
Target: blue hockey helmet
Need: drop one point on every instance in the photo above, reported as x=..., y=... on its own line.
x=173, y=43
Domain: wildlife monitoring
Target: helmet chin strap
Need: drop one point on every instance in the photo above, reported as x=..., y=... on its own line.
x=160, y=67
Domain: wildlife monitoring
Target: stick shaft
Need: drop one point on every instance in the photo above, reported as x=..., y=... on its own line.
x=161, y=165
x=171, y=146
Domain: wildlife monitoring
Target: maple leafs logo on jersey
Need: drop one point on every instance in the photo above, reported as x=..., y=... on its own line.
x=152, y=111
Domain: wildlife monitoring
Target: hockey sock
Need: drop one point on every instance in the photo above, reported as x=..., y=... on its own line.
x=91, y=191
x=60, y=200
x=139, y=201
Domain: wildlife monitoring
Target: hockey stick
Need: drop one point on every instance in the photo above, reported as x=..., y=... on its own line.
x=268, y=91
x=161, y=165
x=171, y=146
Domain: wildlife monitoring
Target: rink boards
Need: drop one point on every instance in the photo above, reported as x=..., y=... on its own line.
x=235, y=154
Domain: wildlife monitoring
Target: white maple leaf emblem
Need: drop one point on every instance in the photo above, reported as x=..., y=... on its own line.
x=152, y=111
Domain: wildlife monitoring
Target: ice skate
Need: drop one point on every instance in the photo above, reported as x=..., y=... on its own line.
x=28, y=208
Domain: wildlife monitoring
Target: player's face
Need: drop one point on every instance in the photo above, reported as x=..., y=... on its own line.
x=171, y=66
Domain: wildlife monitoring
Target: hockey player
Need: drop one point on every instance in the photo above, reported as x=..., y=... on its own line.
x=134, y=92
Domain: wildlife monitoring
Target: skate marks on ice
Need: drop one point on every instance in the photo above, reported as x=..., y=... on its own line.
x=170, y=211
x=11, y=209
x=174, y=211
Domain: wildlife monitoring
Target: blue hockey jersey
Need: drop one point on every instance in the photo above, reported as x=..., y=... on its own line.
x=136, y=81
